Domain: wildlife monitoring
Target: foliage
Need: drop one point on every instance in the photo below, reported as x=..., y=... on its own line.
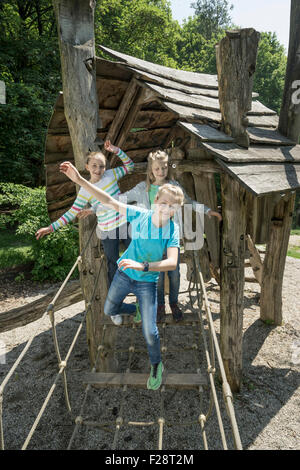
x=53, y=255
x=270, y=71
x=212, y=16
x=15, y=250
x=30, y=68
x=142, y=28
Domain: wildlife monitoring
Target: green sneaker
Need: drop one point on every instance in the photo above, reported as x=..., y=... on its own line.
x=155, y=378
x=137, y=318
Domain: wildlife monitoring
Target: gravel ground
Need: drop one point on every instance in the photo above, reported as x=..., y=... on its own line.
x=266, y=409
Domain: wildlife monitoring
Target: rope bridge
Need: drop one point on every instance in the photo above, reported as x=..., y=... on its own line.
x=202, y=324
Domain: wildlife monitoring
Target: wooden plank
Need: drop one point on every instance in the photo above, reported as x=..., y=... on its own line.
x=182, y=76
x=262, y=121
x=235, y=154
x=110, y=92
x=140, y=380
x=146, y=139
x=260, y=109
x=205, y=132
x=195, y=90
x=56, y=191
x=261, y=135
x=255, y=259
x=111, y=69
x=262, y=179
x=192, y=114
x=176, y=96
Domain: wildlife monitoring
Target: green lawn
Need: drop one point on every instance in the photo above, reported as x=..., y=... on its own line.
x=296, y=231
x=14, y=249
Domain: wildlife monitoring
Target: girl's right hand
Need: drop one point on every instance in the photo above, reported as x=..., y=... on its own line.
x=84, y=213
x=70, y=171
x=42, y=232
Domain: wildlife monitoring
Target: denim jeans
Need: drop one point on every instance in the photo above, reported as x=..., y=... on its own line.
x=146, y=293
x=174, y=283
x=111, y=247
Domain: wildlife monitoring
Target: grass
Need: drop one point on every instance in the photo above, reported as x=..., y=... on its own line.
x=15, y=250
x=296, y=231
x=294, y=251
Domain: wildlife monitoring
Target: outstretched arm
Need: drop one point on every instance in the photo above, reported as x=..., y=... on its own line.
x=71, y=172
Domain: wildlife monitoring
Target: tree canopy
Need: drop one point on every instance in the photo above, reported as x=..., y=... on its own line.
x=30, y=63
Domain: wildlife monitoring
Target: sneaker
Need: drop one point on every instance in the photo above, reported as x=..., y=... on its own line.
x=155, y=378
x=161, y=311
x=117, y=319
x=137, y=318
x=176, y=312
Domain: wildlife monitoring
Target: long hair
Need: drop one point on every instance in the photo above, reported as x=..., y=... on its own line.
x=157, y=156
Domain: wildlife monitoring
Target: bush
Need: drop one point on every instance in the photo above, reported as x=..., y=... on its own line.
x=26, y=208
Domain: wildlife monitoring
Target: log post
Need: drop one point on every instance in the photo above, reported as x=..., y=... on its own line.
x=274, y=262
x=289, y=119
x=232, y=278
x=236, y=60
x=75, y=26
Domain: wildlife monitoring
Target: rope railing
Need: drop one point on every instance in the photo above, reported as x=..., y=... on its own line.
x=62, y=364
x=211, y=348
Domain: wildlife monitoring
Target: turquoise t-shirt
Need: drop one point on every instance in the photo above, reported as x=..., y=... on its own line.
x=149, y=242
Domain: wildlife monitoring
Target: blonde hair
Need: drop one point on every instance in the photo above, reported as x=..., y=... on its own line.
x=157, y=156
x=93, y=154
x=174, y=191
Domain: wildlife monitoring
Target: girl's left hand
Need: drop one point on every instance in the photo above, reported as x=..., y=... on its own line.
x=70, y=171
x=215, y=214
x=131, y=264
x=109, y=147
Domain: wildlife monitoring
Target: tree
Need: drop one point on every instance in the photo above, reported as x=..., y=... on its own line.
x=212, y=16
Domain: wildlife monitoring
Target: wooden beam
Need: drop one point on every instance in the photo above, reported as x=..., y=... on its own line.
x=289, y=120
x=32, y=311
x=274, y=261
x=187, y=381
x=255, y=259
x=236, y=60
x=232, y=279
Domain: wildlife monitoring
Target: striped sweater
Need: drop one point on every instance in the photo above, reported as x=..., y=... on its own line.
x=108, y=219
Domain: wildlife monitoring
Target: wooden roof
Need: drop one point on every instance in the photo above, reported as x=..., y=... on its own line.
x=177, y=106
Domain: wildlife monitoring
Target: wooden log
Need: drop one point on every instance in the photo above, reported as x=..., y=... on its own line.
x=289, y=120
x=274, y=261
x=232, y=279
x=255, y=260
x=206, y=193
x=91, y=264
x=77, y=52
x=236, y=60
x=32, y=311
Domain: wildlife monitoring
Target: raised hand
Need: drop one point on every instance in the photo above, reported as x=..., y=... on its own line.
x=109, y=147
x=42, y=232
x=70, y=171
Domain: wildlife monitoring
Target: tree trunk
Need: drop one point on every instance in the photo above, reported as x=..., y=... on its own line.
x=236, y=61
x=289, y=120
x=232, y=278
x=75, y=26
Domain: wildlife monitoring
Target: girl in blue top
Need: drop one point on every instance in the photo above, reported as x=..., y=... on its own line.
x=159, y=173
x=153, y=234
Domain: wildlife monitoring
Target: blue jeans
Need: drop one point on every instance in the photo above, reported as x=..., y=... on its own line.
x=111, y=247
x=146, y=293
x=174, y=282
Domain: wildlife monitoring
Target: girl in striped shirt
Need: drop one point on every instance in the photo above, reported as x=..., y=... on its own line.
x=112, y=226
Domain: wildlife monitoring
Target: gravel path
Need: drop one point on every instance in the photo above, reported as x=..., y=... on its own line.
x=267, y=408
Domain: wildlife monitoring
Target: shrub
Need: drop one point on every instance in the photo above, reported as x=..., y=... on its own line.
x=54, y=254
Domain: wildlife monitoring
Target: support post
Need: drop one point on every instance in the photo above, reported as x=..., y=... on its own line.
x=274, y=262
x=289, y=119
x=236, y=61
x=75, y=26
x=232, y=278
